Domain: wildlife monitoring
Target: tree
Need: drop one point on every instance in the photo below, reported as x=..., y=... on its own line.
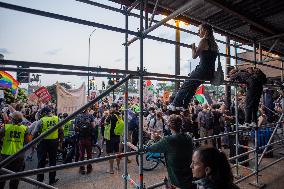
x=52, y=90
x=10, y=98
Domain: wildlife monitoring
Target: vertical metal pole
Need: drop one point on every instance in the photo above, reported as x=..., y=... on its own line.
x=177, y=55
x=260, y=51
x=141, y=99
x=236, y=115
x=126, y=103
x=228, y=63
x=146, y=14
x=89, y=58
x=256, y=154
x=254, y=54
x=237, y=130
x=282, y=71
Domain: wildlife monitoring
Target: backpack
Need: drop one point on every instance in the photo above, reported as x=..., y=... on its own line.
x=85, y=128
x=119, y=126
x=208, y=120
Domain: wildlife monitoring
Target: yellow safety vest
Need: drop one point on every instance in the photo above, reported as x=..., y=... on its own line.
x=48, y=123
x=66, y=128
x=14, y=138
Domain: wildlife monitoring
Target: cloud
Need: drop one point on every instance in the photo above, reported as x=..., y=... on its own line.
x=53, y=52
x=4, y=51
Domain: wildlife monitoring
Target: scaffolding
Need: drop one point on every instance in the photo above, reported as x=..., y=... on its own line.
x=126, y=74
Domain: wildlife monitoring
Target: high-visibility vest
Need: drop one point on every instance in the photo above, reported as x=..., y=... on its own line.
x=14, y=138
x=48, y=123
x=66, y=128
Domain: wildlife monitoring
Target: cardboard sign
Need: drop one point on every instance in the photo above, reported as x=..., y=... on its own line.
x=42, y=94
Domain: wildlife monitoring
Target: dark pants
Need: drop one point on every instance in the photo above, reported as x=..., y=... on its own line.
x=217, y=141
x=44, y=149
x=189, y=87
x=85, y=145
x=17, y=165
x=252, y=102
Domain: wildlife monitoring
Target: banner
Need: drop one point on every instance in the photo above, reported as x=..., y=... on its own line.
x=42, y=94
x=70, y=100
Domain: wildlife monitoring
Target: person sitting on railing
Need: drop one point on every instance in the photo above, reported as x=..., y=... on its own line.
x=254, y=79
x=211, y=169
x=177, y=149
x=207, y=52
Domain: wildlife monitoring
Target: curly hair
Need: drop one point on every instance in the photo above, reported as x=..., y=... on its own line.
x=175, y=123
x=221, y=174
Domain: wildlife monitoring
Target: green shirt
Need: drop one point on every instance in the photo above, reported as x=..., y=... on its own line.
x=178, y=151
x=14, y=138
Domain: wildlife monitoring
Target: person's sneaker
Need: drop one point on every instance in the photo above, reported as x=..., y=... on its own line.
x=245, y=125
x=253, y=124
x=51, y=182
x=89, y=170
x=82, y=172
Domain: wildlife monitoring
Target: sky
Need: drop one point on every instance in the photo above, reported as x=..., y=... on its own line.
x=30, y=37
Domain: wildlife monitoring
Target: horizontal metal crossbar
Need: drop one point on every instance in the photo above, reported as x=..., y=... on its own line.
x=61, y=123
x=64, y=166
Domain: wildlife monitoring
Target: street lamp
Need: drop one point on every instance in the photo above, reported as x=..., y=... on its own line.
x=89, y=58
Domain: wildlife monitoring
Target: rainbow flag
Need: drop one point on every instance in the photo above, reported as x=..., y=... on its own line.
x=8, y=81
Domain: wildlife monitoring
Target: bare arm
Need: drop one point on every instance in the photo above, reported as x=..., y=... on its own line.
x=197, y=50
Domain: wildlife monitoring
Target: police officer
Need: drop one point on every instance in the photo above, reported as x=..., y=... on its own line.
x=48, y=146
x=14, y=137
x=84, y=125
x=68, y=127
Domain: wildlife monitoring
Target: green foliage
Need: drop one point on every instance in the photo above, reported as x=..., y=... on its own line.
x=10, y=98
x=132, y=87
x=164, y=86
x=52, y=90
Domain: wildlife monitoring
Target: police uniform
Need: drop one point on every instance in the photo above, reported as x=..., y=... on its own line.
x=48, y=146
x=13, y=141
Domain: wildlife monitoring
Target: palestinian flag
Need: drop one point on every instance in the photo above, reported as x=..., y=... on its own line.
x=202, y=96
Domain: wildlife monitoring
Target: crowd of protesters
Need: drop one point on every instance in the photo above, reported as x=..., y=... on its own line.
x=198, y=120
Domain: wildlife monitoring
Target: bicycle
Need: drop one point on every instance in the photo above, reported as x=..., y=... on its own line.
x=71, y=150
x=151, y=160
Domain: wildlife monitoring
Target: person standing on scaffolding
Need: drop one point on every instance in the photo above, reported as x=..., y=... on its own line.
x=254, y=79
x=207, y=51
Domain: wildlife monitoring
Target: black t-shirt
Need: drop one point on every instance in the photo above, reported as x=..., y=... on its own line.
x=112, y=119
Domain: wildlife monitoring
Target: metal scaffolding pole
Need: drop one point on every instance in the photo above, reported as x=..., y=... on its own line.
x=29, y=180
x=271, y=137
x=141, y=69
x=64, y=166
x=162, y=22
x=125, y=136
x=237, y=130
x=151, y=19
x=61, y=123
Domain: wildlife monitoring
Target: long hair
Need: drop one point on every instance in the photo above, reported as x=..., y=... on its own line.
x=209, y=35
x=221, y=174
